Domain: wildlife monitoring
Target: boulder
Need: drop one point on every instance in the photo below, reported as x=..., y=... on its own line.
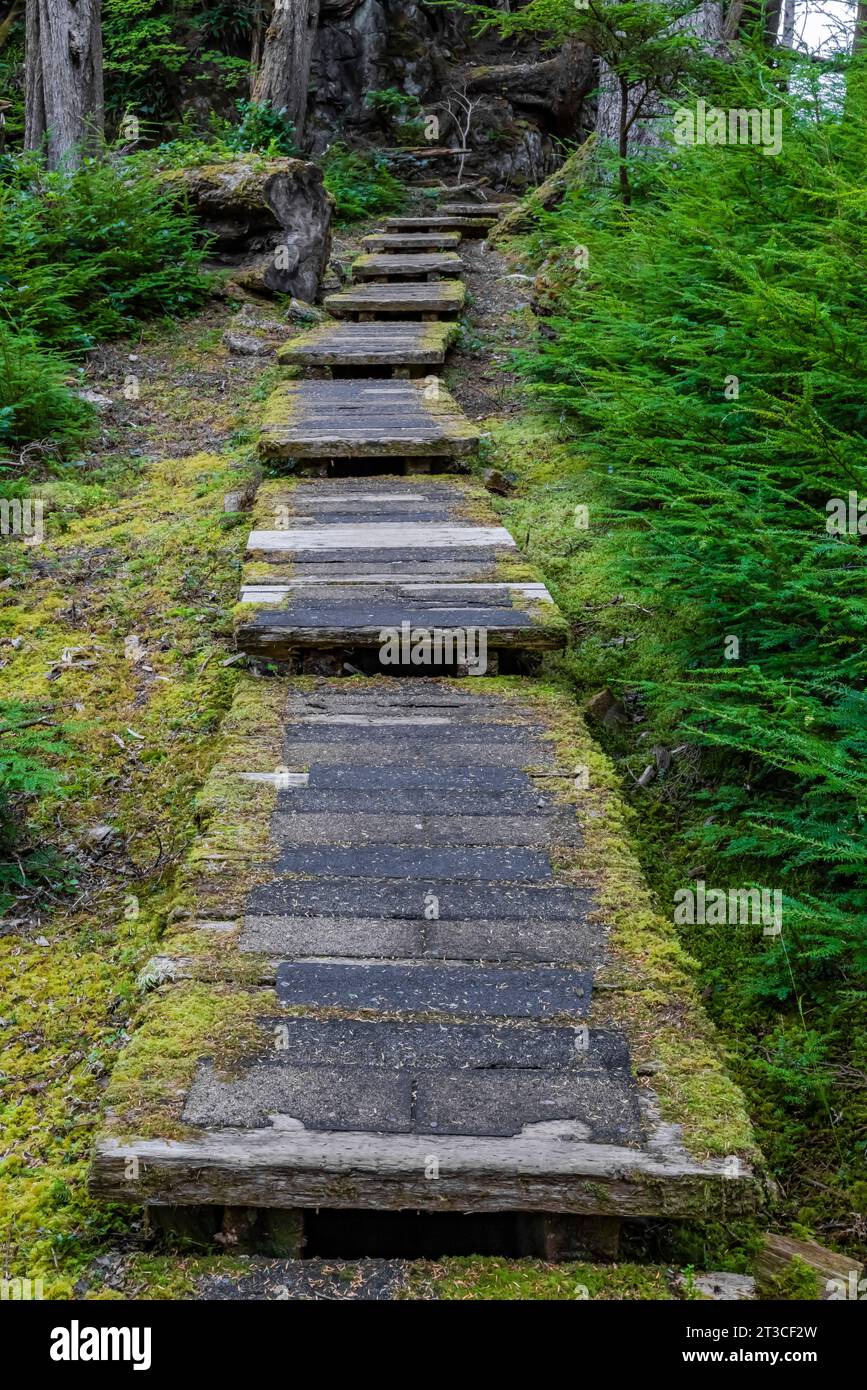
x=604, y=708
x=278, y=208
x=719, y=1286
x=246, y=344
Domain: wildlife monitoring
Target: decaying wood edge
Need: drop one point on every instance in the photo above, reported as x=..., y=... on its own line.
x=289, y=1166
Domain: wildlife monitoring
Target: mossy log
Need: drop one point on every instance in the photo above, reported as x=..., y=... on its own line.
x=571, y=172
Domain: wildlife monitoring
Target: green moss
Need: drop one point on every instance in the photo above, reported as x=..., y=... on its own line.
x=142, y=551
x=485, y=1279
x=796, y=1282
x=176, y=1028
x=173, y=1277
x=281, y=409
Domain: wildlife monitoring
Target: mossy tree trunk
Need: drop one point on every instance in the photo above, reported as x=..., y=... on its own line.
x=63, y=79
x=284, y=73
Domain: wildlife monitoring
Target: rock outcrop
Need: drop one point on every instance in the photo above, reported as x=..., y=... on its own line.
x=525, y=101
x=274, y=214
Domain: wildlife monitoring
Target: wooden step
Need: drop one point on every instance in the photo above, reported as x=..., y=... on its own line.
x=357, y=1022
x=436, y=222
x=428, y=299
x=350, y=559
x=408, y=267
x=354, y=345
x=475, y=209
x=411, y=241
x=364, y=418
x=378, y=561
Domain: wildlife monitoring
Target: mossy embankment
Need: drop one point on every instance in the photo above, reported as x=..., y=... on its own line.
x=115, y=628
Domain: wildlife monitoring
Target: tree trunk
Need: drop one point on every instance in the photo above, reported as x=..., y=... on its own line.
x=256, y=43
x=623, y=141
x=859, y=41
x=745, y=16
x=788, y=37
x=772, y=22
x=34, y=105
x=706, y=22
x=732, y=24
x=284, y=76
x=63, y=79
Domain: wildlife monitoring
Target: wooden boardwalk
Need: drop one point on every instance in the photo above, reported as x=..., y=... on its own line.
x=437, y=222
x=409, y=266
x=411, y=241
x=397, y=975
x=425, y=1032
x=489, y=210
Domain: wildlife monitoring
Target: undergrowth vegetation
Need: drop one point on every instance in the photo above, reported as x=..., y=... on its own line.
x=84, y=256
x=87, y=254
x=360, y=183
x=704, y=352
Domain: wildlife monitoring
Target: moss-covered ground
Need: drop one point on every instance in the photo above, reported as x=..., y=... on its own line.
x=115, y=628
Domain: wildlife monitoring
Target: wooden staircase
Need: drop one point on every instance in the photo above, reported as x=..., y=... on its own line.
x=396, y=927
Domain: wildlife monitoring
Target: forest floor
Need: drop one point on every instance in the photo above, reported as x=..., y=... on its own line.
x=120, y=620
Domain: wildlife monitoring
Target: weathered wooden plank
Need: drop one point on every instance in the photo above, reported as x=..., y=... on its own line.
x=448, y=828
x=294, y=1167
x=276, y=593
x=475, y=209
x=506, y=941
x=369, y=535
x=835, y=1273
x=364, y=418
x=436, y=222
x=408, y=267
x=369, y=344
x=411, y=241
x=427, y=297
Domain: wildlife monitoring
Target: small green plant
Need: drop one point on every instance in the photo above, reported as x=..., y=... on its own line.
x=360, y=184
x=397, y=114
x=263, y=129
x=29, y=742
x=389, y=104
x=35, y=402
